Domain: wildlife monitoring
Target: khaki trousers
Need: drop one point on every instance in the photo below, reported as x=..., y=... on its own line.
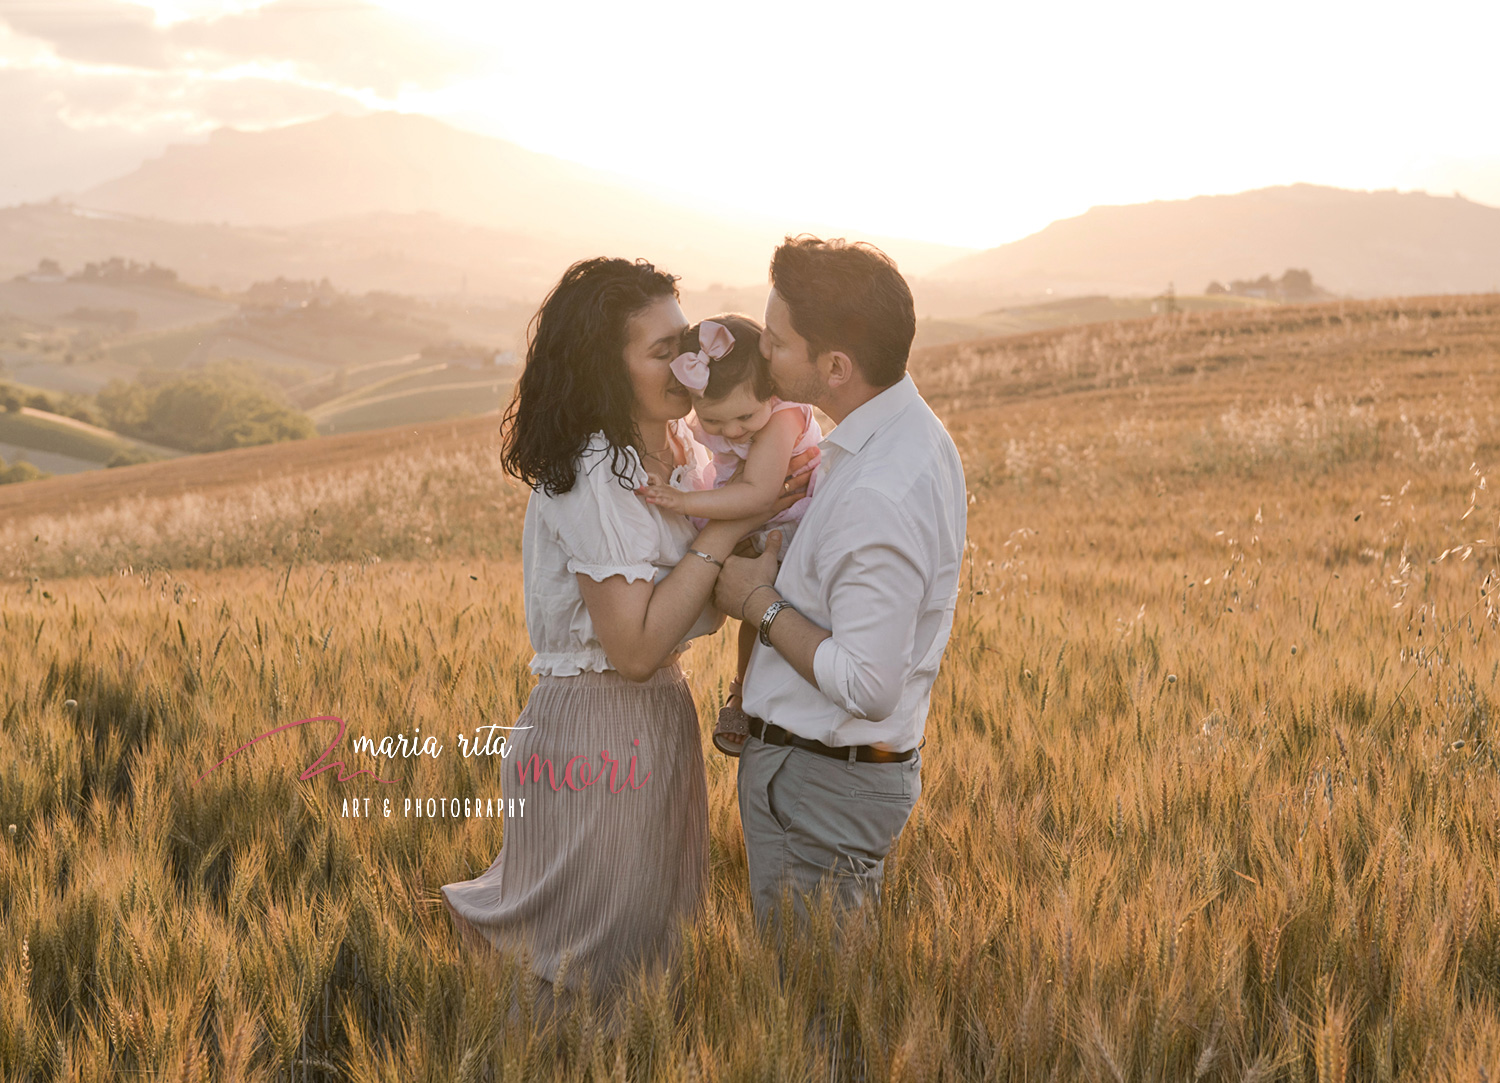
x=811, y=819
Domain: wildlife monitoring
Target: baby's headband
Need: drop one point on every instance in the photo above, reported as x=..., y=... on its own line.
x=714, y=341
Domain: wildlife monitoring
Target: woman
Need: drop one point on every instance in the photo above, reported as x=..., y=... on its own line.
x=595, y=875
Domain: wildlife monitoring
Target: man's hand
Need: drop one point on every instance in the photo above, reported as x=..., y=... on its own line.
x=743, y=575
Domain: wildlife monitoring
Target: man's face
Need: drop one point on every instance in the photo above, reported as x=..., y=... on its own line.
x=794, y=371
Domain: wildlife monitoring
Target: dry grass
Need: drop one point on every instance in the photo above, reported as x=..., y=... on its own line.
x=1209, y=788
x=227, y=475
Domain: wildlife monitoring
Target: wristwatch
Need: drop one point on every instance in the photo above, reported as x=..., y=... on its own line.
x=768, y=616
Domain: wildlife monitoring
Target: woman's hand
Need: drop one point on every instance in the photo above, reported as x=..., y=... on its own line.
x=663, y=496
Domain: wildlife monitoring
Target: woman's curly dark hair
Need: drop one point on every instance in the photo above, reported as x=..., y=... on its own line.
x=575, y=382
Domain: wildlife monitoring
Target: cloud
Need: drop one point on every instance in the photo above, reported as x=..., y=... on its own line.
x=92, y=87
x=355, y=46
x=94, y=31
x=48, y=156
x=66, y=130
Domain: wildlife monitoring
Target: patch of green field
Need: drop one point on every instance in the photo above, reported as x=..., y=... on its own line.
x=81, y=377
x=379, y=388
x=334, y=338
x=228, y=346
x=417, y=405
x=166, y=349
x=46, y=461
x=432, y=377
x=61, y=437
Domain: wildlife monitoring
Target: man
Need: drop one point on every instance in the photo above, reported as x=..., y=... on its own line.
x=854, y=622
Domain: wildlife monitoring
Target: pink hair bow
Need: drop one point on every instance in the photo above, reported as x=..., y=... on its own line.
x=714, y=341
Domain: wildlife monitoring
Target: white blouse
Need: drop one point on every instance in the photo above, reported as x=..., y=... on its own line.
x=598, y=528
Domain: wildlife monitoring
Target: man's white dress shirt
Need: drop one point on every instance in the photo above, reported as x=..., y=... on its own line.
x=876, y=562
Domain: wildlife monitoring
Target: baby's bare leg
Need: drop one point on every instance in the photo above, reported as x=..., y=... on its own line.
x=730, y=733
x=748, y=635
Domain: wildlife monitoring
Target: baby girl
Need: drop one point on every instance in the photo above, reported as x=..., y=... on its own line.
x=753, y=435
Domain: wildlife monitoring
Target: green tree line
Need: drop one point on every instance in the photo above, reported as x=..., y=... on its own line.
x=209, y=409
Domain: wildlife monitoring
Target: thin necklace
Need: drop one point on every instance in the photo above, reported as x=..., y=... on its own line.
x=657, y=457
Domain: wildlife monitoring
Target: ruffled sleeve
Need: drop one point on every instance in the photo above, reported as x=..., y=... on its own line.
x=603, y=527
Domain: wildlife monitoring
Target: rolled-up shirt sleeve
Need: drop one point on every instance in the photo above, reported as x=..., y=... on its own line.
x=878, y=580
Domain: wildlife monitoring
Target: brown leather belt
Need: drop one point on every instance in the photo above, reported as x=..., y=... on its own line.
x=772, y=734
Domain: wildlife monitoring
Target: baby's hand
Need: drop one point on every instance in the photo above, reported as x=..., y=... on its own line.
x=663, y=496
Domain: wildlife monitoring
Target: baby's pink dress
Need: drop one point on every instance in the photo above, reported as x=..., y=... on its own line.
x=727, y=456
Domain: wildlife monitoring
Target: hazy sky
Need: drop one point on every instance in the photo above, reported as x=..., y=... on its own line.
x=971, y=123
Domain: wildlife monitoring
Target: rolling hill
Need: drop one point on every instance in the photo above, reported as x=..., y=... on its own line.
x=420, y=254
x=1363, y=244
x=1251, y=374
x=406, y=165
x=64, y=445
x=354, y=363
x=222, y=472
x=83, y=305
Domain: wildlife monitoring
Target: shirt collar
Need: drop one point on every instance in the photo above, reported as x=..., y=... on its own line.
x=870, y=416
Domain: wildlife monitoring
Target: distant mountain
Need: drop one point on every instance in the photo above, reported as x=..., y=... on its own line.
x=404, y=164
x=422, y=255
x=419, y=254
x=1364, y=244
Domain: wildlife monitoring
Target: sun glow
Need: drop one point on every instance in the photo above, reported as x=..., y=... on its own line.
x=969, y=124
x=978, y=125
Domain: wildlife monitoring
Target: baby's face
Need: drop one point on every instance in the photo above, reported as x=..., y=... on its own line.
x=734, y=417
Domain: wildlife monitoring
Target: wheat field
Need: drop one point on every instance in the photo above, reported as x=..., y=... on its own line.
x=1209, y=791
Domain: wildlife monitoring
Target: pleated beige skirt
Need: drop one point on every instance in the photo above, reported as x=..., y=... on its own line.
x=597, y=876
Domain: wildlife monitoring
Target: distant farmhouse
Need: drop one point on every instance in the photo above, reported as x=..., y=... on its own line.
x=1294, y=285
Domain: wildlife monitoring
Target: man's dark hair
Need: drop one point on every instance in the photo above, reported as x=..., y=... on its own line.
x=848, y=297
